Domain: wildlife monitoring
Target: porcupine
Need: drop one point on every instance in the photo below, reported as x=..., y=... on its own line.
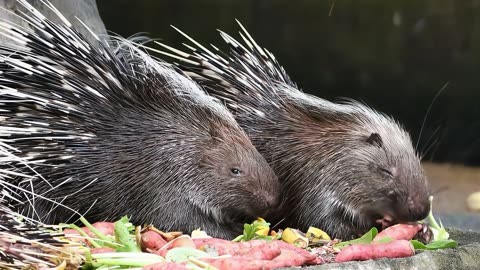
x=344, y=166
x=112, y=131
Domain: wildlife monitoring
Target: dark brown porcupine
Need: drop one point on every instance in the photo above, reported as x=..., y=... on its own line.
x=111, y=131
x=344, y=166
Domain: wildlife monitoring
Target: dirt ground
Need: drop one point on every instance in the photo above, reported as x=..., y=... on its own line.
x=451, y=185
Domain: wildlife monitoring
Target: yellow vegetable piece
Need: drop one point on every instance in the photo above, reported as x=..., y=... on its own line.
x=259, y=219
x=317, y=234
x=261, y=229
x=296, y=237
x=263, y=232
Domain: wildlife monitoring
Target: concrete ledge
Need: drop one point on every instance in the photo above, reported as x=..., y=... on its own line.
x=465, y=257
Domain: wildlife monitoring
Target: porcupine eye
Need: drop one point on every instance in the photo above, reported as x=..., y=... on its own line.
x=386, y=172
x=235, y=171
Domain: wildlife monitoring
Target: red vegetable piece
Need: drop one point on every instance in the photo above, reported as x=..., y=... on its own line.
x=106, y=228
x=399, y=232
x=185, y=242
x=285, y=259
x=362, y=252
x=74, y=235
x=238, y=263
x=151, y=240
x=309, y=257
x=266, y=251
x=181, y=241
x=199, y=242
x=165, y=266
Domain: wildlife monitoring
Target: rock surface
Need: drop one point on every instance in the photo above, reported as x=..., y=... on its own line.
x=465, y=257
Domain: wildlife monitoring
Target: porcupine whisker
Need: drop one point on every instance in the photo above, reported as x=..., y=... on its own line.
x=428, y=111
x=435, y=142
x=437, y=145
x=429, y=143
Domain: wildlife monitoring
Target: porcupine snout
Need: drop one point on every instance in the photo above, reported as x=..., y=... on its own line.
x=270, y=199
x=418, y=207
x=413, y=206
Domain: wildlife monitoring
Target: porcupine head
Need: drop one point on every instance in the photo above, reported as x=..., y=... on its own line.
x=344, y=167
x=112, y=131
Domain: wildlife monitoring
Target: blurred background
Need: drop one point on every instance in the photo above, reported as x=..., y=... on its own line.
x=395, y=56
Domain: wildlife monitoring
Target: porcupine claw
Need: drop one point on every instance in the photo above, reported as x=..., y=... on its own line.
x=425, y=235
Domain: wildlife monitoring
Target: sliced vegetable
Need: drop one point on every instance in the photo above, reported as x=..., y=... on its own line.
x=315, y=235
x=295, y=237
x=151, y=240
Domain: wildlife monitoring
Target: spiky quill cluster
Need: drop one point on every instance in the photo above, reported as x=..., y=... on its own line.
x=26, y=243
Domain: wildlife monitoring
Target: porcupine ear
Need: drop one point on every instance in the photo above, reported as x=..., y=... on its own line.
x=375, y=139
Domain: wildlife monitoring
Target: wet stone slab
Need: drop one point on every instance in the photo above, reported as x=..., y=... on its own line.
x=465, y=257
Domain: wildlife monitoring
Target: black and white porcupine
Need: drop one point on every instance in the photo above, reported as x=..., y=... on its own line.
x=344, y=166
x=26, y=243
x=111, y=131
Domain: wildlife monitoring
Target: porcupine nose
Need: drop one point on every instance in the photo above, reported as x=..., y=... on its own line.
x=418, y=208
x=269, y=200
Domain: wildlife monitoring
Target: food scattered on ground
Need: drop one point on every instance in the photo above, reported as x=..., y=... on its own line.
x=121, y=245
